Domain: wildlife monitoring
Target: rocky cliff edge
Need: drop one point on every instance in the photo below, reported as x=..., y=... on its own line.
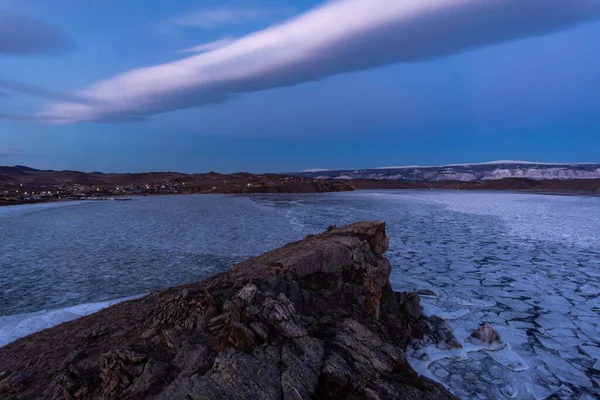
x=316, y=319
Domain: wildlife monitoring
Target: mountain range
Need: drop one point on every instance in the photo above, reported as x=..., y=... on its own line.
x=479, y=172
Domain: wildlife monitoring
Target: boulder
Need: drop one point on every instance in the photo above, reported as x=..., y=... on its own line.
x=487, y=337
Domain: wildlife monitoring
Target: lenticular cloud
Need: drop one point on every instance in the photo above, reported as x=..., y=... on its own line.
x=338, y=37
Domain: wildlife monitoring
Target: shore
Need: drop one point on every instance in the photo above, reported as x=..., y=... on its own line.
x=550, y=192
x=290, y=187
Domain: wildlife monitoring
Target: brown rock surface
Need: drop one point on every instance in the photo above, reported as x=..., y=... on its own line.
x=316, y=319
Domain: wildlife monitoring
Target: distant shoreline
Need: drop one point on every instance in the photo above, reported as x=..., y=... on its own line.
x=24, y=185
x=547, y=192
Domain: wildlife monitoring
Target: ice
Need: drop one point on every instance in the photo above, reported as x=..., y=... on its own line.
x=541, y=254
x=539, y=392
x=441, y=373
x=582, y=311
x=508, y=315
x=510, y=335
x=483, y=303
x=520, y=325
x=592, y=351
x=555, y=303
x=569, y=341
x=403, y=283
x=592, y=274
x=560, y=332
x=563, y=369
x=554, y=320
x=13, y=327
x=509, y=358
x=430, y=354
x=551, y=344
x=450, y=315
x=590, y=289
x=587, y=397
x=574, y=297
x=516, y=305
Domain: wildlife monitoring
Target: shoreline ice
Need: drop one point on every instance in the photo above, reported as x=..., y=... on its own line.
x=13, y=327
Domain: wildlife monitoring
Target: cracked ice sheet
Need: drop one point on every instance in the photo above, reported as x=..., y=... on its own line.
x=544, y=284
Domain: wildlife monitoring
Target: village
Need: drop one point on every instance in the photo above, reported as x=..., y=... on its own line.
x=241, y=183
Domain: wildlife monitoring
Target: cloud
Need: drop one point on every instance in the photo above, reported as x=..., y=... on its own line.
x=338, y=37
x=11, y=151
x=22, y=35
x=29, y=118
x=212, y=18
x=11, y=85
x=208, y=46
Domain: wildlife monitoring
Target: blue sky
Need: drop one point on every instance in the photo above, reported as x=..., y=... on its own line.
x=322, y=84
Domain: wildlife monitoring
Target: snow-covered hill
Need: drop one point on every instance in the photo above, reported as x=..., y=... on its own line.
x=468, y=172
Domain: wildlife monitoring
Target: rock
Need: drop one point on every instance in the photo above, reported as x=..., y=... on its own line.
x=412, y=306
x=441, y=335
x=509, y=391
x=246, y=295
x=261, y=331
x=241, y=337
x=281, y=315
x=316, y=319
x=487, y=337
x=12, y=383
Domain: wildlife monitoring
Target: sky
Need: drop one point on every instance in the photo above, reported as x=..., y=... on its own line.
x=289, y=85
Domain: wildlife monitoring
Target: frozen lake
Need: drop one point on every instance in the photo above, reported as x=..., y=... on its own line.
x=527, y=264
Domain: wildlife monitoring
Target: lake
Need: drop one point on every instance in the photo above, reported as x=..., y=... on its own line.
x=528, y=264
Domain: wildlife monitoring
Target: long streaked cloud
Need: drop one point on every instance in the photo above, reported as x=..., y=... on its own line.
x=215, y=17
x=338, y=37
x=23, y=35
x=11, y=85
x=215, y=44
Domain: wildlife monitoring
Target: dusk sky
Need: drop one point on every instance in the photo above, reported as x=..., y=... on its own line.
x=289, y=85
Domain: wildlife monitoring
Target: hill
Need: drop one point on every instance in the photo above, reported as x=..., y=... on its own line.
x=20, y=184
x=494, y=170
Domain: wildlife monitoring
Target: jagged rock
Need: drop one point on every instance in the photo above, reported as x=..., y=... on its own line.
x=12, y=383
x=487, y=337
x=281, y=315
x=246, y=295
x=316, y=319
x=242, y=337
x=441, y=335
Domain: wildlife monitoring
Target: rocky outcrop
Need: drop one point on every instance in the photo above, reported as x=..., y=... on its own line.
x=316, y=319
